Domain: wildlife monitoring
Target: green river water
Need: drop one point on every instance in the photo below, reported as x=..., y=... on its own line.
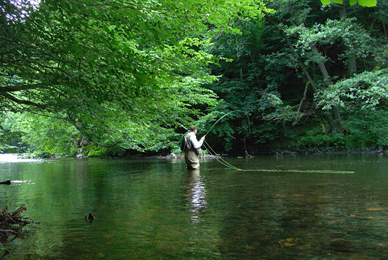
x=156, y=209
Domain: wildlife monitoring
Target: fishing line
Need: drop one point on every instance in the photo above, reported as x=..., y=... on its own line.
x=228, y=165
x=212, y=152
x=220, y=159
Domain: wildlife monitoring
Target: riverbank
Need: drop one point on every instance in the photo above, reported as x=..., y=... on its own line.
x=16, y=157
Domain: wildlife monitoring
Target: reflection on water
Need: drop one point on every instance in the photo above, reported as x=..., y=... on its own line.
x=156, y=209
x=196, y=195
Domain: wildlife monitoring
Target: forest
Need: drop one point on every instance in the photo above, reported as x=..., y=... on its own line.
x=128, y=77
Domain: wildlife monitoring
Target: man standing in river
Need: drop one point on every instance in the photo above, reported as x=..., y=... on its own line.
x=191, y=148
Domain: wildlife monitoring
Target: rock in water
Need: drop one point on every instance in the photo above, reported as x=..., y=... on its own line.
x=89, y=217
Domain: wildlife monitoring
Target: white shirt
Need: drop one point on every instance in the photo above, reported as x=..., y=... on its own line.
x=197, y=144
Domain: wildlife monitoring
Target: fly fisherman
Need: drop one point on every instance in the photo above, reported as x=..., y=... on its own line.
x=191, y=148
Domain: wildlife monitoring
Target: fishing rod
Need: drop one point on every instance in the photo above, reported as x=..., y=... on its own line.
x=219, y=121
x=213, y=153
x=230, y=112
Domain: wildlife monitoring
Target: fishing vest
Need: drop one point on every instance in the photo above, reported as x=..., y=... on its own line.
x=188, y=145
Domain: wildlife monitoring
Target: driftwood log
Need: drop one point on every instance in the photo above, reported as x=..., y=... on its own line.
x=11, y=224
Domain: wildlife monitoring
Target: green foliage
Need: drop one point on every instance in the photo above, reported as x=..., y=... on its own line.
x=353, y=37
x=372, y=124
x=366, y=3
x=108, y=129
x=124, y=75
x=336, y=142
x=364, y=91
x=332, y=142
x=9, y=139
x=117, y=77
x=278, y=74
x=365, y=129
x=50, y=135
x=249, y=89
x=65, y=50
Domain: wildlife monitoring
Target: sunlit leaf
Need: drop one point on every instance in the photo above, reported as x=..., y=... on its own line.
x=367, y=3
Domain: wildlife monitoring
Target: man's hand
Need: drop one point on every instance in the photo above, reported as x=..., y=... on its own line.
x=203, y=138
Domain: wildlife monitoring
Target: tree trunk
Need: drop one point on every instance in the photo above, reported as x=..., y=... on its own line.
x=352, y=65
x=337, y=121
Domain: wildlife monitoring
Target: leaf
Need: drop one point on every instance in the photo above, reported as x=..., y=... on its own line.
x=367, y=3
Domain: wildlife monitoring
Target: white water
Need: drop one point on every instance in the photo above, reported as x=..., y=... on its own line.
x=13, y=157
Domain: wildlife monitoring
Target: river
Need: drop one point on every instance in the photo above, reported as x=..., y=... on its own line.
x=304, y=207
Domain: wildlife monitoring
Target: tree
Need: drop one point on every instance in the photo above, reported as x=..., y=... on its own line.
x=79, y=59
x=347, y=53
x=247, y=89
x=115, y=51
x=302, y=56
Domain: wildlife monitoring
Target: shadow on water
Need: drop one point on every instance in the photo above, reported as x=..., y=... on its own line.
x=156, y=209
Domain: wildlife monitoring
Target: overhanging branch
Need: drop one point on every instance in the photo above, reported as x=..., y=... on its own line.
x=21, y=101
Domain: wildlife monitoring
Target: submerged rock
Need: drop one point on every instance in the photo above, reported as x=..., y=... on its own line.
x=340, y=245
